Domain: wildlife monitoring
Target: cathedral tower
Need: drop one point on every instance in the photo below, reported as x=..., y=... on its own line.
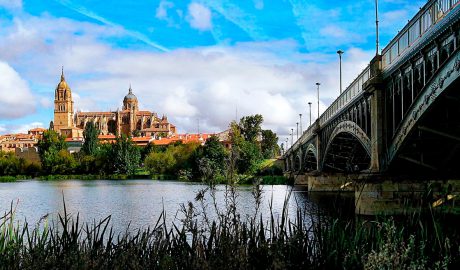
x=63, y=106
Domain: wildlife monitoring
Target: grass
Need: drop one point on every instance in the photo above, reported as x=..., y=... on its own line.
x=423, y=240
x=8, y=178
x=57, y=177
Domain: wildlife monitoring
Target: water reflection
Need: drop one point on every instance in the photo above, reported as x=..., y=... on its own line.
x=140, y=202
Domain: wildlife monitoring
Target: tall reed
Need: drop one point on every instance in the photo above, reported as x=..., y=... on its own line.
x=228, y=241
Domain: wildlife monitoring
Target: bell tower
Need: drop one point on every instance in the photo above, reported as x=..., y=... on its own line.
x=63, y=105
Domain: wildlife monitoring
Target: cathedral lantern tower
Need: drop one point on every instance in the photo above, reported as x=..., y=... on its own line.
x=63, y=106
x=130, y=101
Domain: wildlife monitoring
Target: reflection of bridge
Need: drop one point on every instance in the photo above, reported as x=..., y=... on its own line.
x=401, y=115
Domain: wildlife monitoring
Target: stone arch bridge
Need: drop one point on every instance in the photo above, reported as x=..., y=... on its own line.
x=401, y=115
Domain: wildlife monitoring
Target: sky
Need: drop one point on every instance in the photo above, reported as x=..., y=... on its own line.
x=196, y=61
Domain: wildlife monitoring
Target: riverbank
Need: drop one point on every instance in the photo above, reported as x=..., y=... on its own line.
x=246, y=180
x=8, y=178
x=420, y=241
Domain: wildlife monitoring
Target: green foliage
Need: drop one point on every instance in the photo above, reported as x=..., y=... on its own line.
x=269, y=144
x=211, y=159
x=160, y=162
x=103, y=160
x=90, y=136
x=176, y=159
x=227, y=241
x=251, y=127
x=50, y=148
x=249, y=157
x=11, y=165
x=125, y=156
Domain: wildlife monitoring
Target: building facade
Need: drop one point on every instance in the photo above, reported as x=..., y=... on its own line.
x=130, y=120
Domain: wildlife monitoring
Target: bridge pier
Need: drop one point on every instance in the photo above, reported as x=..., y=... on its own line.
x=390, y=197
x=325, y=182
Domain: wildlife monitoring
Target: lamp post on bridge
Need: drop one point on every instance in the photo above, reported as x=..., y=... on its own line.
x=292, y=137
x=301, y=131
x=287, y=144
x=309, y=105
x=340, y=52
x=297, y=130
x=317, y=92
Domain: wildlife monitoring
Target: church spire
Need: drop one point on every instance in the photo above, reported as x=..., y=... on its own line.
x=62, y=74
x=130, y=90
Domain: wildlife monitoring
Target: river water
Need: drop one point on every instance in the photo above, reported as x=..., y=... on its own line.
x=139, y=203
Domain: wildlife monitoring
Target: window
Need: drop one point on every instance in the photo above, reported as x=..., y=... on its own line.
x=426, y=21
x=394, y=52
x=443, y=6
x=414, y=32
x=386, y=59
x=403, y=42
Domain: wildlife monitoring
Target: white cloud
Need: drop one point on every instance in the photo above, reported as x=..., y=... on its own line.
x=199, y=17
x=11, y=4
x=16, y=100
x=207, y=83
x=162, y=9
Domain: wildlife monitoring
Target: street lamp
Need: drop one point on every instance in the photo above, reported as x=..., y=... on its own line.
x=317, y=92
x=297, y=130
x=309, y=105
x=376, y=27
x=340, y=52
x=292, y=137
x=300, y=115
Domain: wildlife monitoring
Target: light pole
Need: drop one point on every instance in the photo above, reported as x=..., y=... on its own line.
x=297, y=130
x=292, y=137
x=309, y=105
x=317, y=93
x=376, y=27
x=300, y=115
x=340, y=52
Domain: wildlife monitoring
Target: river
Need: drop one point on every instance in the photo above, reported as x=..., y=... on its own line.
x=139, y=203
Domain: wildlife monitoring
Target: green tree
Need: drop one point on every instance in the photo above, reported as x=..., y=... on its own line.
x=90, y=136
x=49, y=147
x=210, y=160
x=249, y=157
x=104, y=159
x=269, y=144
x=251, y=127
x=126, y=156
x=160, y=162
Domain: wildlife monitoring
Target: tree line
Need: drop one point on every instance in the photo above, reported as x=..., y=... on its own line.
x=250, y=146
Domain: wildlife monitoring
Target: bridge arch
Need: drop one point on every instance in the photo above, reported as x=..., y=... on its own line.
x=297, y=162
x=429, y=129
x=310, y=158
x=348, y=149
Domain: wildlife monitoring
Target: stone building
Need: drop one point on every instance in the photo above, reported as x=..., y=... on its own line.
x=130, y=120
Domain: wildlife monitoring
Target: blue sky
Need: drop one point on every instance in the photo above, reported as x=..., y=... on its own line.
x=200, y=59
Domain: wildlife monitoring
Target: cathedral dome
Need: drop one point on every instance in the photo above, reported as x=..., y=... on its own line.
x=130, y=96
x=62, y=85
x=130, y=101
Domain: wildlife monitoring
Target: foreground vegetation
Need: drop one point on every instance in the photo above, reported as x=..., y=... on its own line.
x=310, y=241
x=249, y=157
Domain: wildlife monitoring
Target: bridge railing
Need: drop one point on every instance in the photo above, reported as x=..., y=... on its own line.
x=428, y=16
x=351, y=92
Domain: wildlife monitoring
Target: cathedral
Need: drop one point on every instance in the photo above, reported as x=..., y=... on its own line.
x=129, y=120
